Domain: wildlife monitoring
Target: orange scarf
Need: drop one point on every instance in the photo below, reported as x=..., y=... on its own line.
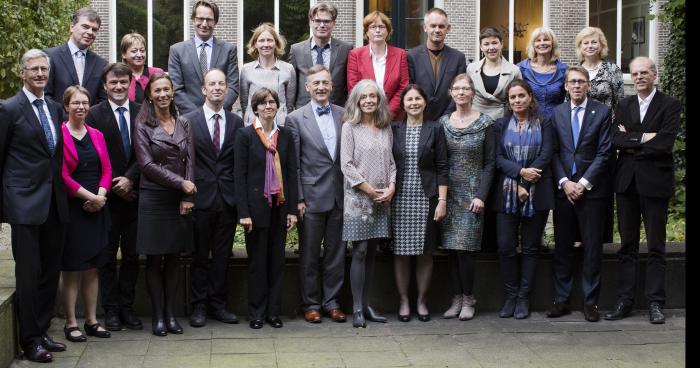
x=273, y=169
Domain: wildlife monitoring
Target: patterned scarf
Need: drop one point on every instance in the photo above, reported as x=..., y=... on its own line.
x=521, y=148
x=273, y=169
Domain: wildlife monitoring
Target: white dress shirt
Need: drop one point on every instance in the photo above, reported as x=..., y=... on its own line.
x=274, y=129
x=78, y=61
x=209, y=118
x=644, y=104
x=210, y=46
x=379, y=65
x=32, y=98
x=127, y=116
x=327, y=126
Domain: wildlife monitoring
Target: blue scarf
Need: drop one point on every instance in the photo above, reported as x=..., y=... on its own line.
x=521, y=148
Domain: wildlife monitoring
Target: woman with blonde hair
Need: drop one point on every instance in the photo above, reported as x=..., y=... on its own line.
x=133, y=49
x=267, y=70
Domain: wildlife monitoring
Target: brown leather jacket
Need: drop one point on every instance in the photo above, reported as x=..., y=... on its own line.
x=165, y=161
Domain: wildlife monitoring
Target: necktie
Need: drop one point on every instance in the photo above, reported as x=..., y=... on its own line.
x=203, y=59
x=80, y=65
x=319, y=53
x=575, y=128
x=215, y=137
x=323, y=110
x=45, y=125
x=124, y=132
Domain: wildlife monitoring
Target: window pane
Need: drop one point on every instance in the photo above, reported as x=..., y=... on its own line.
x=603, y=15
x=167, y=29
x=494, y=13
x=131, y=17
x=528, y=16
x=416, y=8
x=635, y=31
x=254, y=13
x=294, y=23
x=383, y=6
x=414, y=33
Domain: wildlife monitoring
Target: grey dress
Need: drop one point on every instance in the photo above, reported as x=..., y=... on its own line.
x=471, y=157
x=281, y=78
x=365, y=156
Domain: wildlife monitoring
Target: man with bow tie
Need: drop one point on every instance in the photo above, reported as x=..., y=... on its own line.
x=316, y=129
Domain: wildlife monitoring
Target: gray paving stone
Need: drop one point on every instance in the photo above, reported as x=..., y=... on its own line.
x=177, y=361
x=309, y=359
x=58, y=362
x=373, y=359
x=127, y=348
x=110, y=361
x=179, y=347
x=243, y=360
x=241, y=346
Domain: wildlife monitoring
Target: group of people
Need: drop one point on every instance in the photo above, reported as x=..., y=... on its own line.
x=349, y=145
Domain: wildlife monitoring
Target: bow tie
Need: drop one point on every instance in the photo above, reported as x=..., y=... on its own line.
x=323, y=110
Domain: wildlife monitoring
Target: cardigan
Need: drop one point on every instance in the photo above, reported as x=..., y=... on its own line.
x=70, y=159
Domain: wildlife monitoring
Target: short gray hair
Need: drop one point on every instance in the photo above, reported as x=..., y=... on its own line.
x=33, y=54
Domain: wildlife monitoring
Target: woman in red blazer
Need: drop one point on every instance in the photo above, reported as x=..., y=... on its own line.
x=387, y=65
x=88, y=177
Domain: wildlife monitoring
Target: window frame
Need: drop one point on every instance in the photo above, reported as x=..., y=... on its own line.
x=398, y=12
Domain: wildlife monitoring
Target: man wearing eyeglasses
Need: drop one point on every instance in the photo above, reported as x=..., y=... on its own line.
x=190, y=60
x=321, y=48
x=582, y=147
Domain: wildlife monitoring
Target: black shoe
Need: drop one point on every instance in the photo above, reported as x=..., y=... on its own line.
x=51, y=345
x=173, y=326
x=508, y=307
x=656, y=316
x=199, y=316
x=405, y=318
x=158, y=327
x=67, y=332
x=222, y=315
x=275, y=322
x=372, y=315
x=522, y=308
x=256, y=324
x=129, y=319
x=94, y=330
x=358, y=319
x=37, y=353
x=621, y=311
x=424, y=317
x=590, y=312
x=558, y=310
x=112, y=321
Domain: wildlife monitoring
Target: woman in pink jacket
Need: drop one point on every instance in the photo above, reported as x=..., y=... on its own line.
x=88, y=177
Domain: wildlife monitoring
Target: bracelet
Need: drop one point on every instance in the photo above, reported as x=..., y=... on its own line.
x=442, y=199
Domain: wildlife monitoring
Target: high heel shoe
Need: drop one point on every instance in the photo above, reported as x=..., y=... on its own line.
x=158, y=326
x=404, y=318
x=373, y=316
x=67, y=330
x=94, y=330
x=358, y=319
x=172, y=325
x=424, y=317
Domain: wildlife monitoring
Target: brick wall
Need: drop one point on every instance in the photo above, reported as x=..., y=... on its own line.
x=345, y=23
x=664, y=34
x=463, y=18
x=101, y=44
x=567, y=18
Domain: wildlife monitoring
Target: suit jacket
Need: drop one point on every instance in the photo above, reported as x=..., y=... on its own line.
x=183, y=68
x=300, y=58
x=214, y=173
x=433, y=166
x=71, y=159
x=420, y=72
x=395, y=76
x=592, y=152
x=165, y=161
x=63, y=74
x=320, y=178
x=250, y=176
x=543, y=198
x=492, y=104
x=29, y=174
x=650, y=164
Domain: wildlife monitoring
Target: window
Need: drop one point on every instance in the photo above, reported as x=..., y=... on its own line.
x=406, y=19
x=290, y=18
x=516, y=26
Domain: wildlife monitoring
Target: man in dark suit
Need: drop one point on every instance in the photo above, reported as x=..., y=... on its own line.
x=33, y=200
x=115, y=118
x=73, y=63
x=433, y=66
x=321, y=48
x=215, y=203
x=316, y=129
x=647, y=125
x=581, y=150
x=190, y=60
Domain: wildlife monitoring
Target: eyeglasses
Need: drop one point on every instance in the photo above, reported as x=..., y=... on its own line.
x=38, y=69
x=377, y=27
x=79, y=103
x=204, y=20
x=574, y=82
x=322, y=21
x=461, y=89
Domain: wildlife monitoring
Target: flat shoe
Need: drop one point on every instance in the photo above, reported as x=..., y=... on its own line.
x=94, y=330
x=404, y=318
x=67, y=331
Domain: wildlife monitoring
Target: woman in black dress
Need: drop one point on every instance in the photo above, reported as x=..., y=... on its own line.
x=88, y=177
x=165, y=153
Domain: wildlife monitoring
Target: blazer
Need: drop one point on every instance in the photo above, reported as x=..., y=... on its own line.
x=300, y=58
x=165, y=161
x=63, y=74
x=543, y=198
x=250, y=176
x=143, y=80
x=29, y=174
x=395, y=76
x=592, y=152
x=214, y=174
x=493, y=105
x=650, y=164
x=420, y=72
x=320, y=178
x=71, y=159
x=433, y=166
x=184, y=70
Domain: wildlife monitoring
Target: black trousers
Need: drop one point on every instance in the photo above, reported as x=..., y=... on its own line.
x=265, y=247
x=118, y=289
x=37, y=250
x=654, y=211
x=214, y=232
x=586, y=215
x=511, y=231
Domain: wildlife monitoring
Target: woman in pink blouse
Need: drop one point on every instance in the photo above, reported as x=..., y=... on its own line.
x=133, y=49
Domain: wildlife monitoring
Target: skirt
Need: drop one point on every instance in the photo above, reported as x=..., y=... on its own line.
x=86, y=235
x=161, y=228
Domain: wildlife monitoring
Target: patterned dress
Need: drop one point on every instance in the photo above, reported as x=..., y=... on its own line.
x=607, y=86
x=366, y=156
x=410, y=207
x=471, y=172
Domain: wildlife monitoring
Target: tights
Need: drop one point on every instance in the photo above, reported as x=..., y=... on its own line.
x=461, y=272
x=361, y=271
x=161, y=280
